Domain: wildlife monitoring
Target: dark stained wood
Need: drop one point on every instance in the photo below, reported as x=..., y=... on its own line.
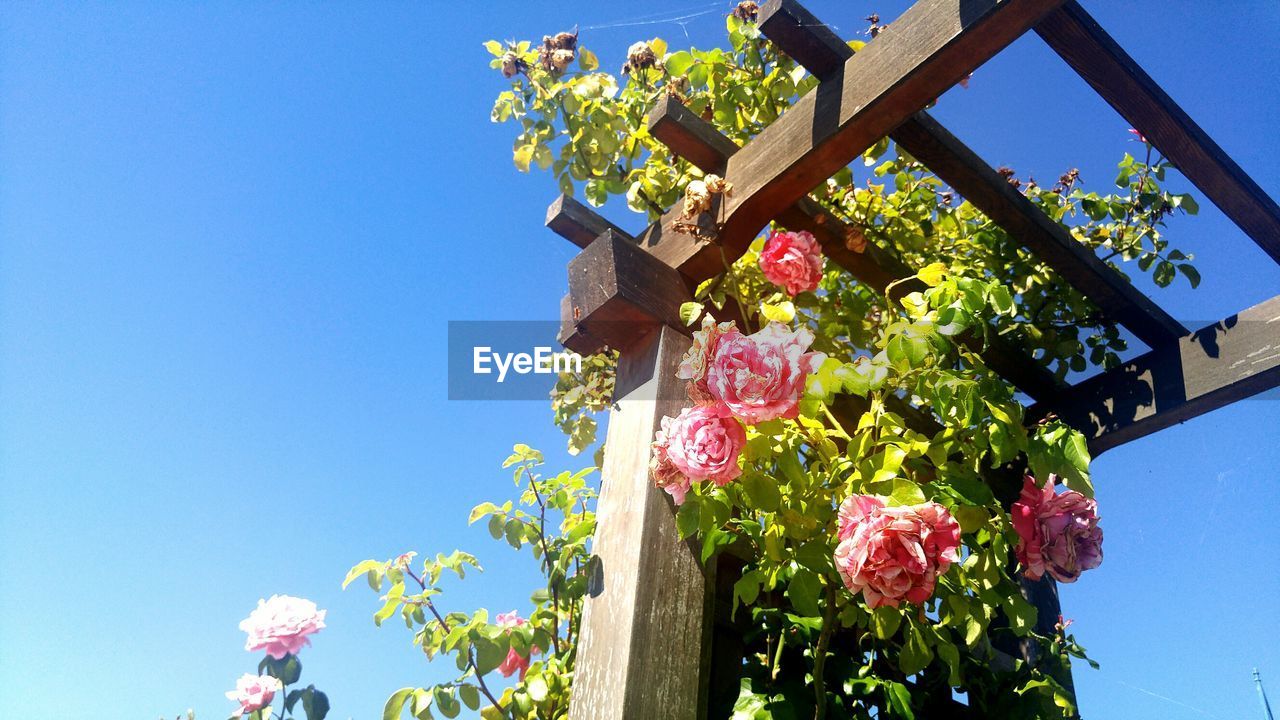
x=618, y=292
x=930, y=48
x=874, y=266
x=644, y=648
x=689, y=136
x=1078, y=38
x=1215, y=366
x=821, y=52
x=961, y=168
x=791, y=26
x=578, y=223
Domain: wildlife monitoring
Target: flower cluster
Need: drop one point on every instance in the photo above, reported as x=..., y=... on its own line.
x=514, y=662
x=280, y=626
x=732, y=379
x=792, y=261
x=894, y=553
x=1058, y=533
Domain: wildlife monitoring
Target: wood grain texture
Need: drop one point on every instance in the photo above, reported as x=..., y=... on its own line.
x=1097, y=58
x=689, y=136
x=644, y=649
x=1213, y=367
x=618, y=292
x=578, y=223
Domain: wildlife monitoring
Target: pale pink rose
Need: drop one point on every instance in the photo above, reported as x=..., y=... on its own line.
x=514, y=660
x=792, y=261
x=694, y=365
x=665, y=474
x=280, y=626
x=892, y=554
x=761, y=376
x=254, y=692
x=702, y=443
x=1057, y=532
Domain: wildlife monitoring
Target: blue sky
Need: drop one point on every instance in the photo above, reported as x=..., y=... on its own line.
x=232, y=236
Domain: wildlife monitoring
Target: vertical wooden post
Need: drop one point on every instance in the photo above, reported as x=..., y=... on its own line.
x=643, y=651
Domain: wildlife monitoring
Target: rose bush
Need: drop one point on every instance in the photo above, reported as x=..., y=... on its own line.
x=280, y=626
x=872, y=499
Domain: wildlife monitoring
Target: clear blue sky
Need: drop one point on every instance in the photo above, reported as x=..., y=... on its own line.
x=231, y=236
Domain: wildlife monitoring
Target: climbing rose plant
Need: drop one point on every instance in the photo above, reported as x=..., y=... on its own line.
x=875, y=478
x=280, y=627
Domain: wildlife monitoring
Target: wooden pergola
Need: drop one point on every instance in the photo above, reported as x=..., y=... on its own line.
x=656, y=640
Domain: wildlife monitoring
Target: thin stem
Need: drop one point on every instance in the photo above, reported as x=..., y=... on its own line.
x=820, y=655
x=471, y=659
x=546, y=557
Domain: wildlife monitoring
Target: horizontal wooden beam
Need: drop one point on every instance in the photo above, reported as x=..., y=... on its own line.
x=961, y=168
x=1212, y=367
x=873, y=265
x=689, y=136
x=1087, y=48
x=578, y=223
x=930, y=48
x=799, y=34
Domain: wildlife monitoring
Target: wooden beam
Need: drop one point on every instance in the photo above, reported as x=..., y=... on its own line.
x=618, y=292
x=689, y=136
x=578, y=223
x=822, y=53
x=961, y=168
x=1087, y=48
x=1215, y=366
x=874, y=265
x=645, y=642
x=930, y=48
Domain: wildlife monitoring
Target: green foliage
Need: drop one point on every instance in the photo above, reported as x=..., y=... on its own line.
x=552, y=519
x=904, y=407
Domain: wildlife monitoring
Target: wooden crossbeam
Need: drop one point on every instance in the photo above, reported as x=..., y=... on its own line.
x=578, y=223
x=823, y=53
x=1228, y=361
x=930, y=48
x=874, y=266
x=1114, y=75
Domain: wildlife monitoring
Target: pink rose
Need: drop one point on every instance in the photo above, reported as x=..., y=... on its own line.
x=701, y=443
x=761, y=376
x=254, y=692
x=698, y=359
x=891, y=554
x=1057, y=532
x=281, y=625
x=514, y=661
x=792, y=261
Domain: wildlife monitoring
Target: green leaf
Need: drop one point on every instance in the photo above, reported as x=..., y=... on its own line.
x=690, y=312
x=360, y=569
x=804, y=588
x=885, y=621
x=783, y=312
x=916, y=653
x=470, y=696
x=315, y=703
x=906, y=492
x=899, y=700
x=1191, y=274
x=678, y=63
x=495, y=48
x=587, y=60
x=762, y=490
x=536, y=686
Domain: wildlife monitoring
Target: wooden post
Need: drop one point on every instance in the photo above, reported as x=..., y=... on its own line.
x=643, y=653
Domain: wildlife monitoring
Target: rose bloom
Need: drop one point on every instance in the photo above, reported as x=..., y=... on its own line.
x=892, y=554
x=760, y=377
x=702, y=443
x=694, y=365
x=281, y=625
x=514, y=661
x=1058, y=533
x=254, y=692
x=792, y=261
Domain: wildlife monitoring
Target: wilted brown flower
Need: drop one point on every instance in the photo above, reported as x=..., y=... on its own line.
x=640, y=56
x=747, y=10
